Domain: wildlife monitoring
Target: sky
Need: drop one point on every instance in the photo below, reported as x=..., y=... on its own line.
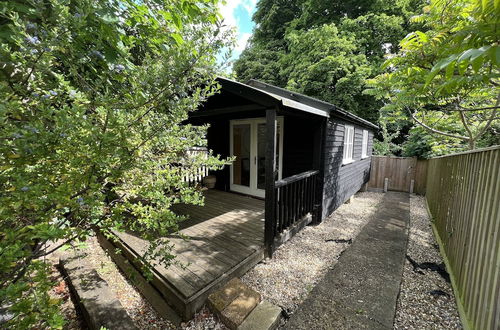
x=238, y=14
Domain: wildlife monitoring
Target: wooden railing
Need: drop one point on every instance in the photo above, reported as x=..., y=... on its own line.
x=294, y=200
x=194, y=175
x=463, y=196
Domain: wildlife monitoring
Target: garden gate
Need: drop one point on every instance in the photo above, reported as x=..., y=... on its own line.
x=398, y=174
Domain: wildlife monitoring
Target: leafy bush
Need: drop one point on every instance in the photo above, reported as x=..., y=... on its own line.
x=92, y=95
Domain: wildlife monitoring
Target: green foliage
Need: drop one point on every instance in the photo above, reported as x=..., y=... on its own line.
x=318, y=12
x=92, y=95
x=273, y=17
x=386, y=146
x=423, y=145
x=324, y=49
x=265, y=69
x=324, y=64
x=445, y=78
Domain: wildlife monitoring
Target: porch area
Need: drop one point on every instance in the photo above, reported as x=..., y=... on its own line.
x=226, y=239
x=275, y=145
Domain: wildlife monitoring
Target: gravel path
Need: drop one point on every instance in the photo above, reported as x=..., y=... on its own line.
x=297, y=266
x=426, y=298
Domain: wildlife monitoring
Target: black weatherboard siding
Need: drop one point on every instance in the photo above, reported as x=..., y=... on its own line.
x=298, y=145
x=343, y=181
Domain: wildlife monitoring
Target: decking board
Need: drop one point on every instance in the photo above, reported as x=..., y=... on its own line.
x=226, y=239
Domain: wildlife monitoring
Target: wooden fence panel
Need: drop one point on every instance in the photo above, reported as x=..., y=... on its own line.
x=399, y=171
x=463, y=196
x=420, y=177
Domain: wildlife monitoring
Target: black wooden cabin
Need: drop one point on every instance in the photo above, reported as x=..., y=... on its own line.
x=305, y=157
x=300, y=158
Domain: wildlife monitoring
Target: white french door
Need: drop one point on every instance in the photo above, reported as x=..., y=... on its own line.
x=248, y=146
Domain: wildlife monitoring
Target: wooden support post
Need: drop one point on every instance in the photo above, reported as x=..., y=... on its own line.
x=386, y=184
x=270, y=212
x=318, y=164
x=412, y=185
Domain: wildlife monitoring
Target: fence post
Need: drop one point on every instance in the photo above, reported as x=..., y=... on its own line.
x=386, y=183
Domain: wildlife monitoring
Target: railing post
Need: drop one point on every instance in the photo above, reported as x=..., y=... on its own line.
x=270, y=201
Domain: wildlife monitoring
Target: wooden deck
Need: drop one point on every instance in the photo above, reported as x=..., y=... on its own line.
x=226, y=240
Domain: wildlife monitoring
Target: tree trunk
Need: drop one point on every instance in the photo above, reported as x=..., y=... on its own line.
x=472, y=144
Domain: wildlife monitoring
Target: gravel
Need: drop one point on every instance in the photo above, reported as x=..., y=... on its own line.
x=287, y=278
x=67, y=307
x=203, y=320
x=426, y=299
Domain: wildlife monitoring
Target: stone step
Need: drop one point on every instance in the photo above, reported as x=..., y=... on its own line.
x=240, y=307
x=233, y=302
x=265, y=316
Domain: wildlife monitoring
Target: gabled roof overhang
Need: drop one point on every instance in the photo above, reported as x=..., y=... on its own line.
x=266, y=96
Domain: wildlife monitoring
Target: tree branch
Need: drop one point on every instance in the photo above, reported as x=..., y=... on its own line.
x=433, y=130
x=476, y=109
x=490, y=120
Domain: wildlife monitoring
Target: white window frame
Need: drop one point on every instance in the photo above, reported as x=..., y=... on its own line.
x=348, y=144
x=364, y=146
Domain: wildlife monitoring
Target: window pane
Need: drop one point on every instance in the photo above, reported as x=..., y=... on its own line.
x=348, y=142
x=365, y=143
x=241, y=149
x=261, y=153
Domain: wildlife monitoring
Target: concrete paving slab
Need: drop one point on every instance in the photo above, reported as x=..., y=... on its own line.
x=361, y=291
x=97, y=302
x=234, y=314
x=265, y=316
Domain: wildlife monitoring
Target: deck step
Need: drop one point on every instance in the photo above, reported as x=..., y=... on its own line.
x=240, y=307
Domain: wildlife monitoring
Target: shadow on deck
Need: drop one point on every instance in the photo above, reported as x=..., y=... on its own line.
x=226, y=240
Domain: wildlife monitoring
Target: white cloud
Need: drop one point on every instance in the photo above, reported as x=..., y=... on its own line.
x=227, y=10
x=242, y=42
x=231, y=20
x=249, y=5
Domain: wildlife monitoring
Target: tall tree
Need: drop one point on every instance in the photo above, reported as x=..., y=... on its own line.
x=300, y=52
x=446, y=78
x=260, y=60
x=92, y=94
x=317, y=12
x=324, y=64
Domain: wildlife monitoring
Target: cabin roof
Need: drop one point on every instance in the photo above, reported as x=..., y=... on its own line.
x=269, y=95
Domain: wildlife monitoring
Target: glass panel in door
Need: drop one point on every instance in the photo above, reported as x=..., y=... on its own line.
x=261, y=154
x=241, y=150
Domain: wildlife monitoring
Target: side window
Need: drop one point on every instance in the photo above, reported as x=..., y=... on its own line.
x=364, y=148
x=348, y=144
